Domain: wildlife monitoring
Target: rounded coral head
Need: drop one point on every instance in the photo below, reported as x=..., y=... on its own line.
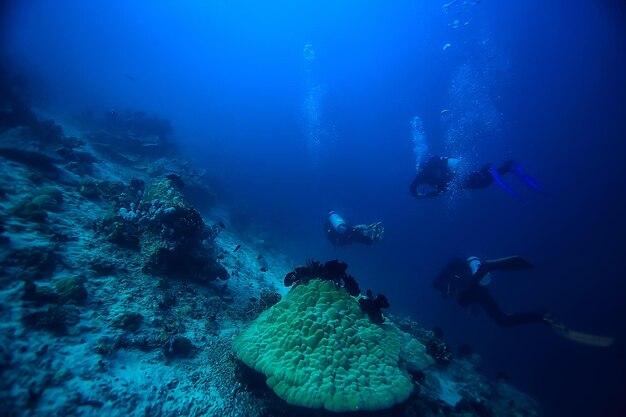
x=318, y=350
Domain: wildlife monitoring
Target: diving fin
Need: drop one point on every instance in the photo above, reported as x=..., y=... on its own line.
x=587, y=339
x=525, y=178
x=511, y=263
x=496, y=177
x=579, y=337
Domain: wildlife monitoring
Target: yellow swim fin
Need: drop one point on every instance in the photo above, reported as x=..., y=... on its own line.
x=578, y=337
x=582, y=338
x=586, y=339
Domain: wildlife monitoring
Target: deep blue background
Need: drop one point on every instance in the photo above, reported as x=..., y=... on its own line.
x=232, y=78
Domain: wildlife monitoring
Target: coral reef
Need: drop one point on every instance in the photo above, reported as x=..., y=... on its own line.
x=334, y=271
x=113, y=298
x=319, y=351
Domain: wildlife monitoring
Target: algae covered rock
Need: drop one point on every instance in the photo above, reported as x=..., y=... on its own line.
x=318, y=350
x=33, y=263
x=71, y=290
x=35, y=208
x=55, y=320
x=128, y=321
x=178, y=347
x=173, y=235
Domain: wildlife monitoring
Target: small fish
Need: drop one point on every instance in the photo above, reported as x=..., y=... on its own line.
x=258, y=258
x=222, y=225
x=263, y=269
x=236, y=248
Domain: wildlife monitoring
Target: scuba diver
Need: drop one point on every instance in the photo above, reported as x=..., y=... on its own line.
x=438, y=172
x=467, y=280
x=339, y=232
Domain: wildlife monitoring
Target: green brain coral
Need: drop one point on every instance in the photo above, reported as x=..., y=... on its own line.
x=318, y=350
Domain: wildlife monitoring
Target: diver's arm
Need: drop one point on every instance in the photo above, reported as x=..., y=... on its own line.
x=510, y=263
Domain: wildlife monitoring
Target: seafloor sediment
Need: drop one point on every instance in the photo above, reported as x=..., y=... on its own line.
x=118, y=296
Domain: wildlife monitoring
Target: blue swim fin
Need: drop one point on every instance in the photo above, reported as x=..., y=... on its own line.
x=525, y=178
x=496, y=177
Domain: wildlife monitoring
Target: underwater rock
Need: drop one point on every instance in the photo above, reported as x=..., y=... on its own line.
x=3, y=237
x=40, y=295
x=33, y=263
x=102, y=266
x=131, y=135
x=36, y=160
x=173, y=235
x=435, y=346
x=129, y=321
x=89, y=189
x=6, y=356
x=475, y=407
x=54, y=320
x=35, y=208
x=269, y=298
x=266, y=300
x=176, y=180
x=71, y=290
x=372, y=306
x=31, y=212
x=178, y=347
x=122, y=233
x=115, y=192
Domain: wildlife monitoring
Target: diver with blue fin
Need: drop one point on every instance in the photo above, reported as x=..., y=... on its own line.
x=466, y=280
x=435, y=174
x=339, y=232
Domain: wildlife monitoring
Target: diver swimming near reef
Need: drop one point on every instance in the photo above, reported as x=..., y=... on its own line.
x=436, y=174
x=467, y=281
x=339, y=232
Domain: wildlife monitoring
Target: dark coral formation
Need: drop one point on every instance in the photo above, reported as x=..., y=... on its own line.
x=178, y=347
x=432, y=339
x=71, y=290
x=373, y=306
x=33, y=263
x=170, y=234
x=335, y=271
x=35, y=207
x=332, y=270
x=129, y=321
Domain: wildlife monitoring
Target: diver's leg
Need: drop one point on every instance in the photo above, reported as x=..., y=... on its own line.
x=495, y=174
x=486, y=301
x=518, y=170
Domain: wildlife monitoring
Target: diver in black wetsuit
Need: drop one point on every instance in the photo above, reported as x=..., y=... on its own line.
x=437, y=172
x=467, y=280
x=340, y=233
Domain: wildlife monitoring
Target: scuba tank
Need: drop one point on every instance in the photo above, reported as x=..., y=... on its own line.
x=474, y=263
x=338, y=223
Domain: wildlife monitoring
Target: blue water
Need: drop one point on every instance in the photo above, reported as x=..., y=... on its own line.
x=288, y=131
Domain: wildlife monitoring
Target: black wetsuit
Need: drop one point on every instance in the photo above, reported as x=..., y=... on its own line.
x=458, y=280
x=341, y=239
x=435, y=173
